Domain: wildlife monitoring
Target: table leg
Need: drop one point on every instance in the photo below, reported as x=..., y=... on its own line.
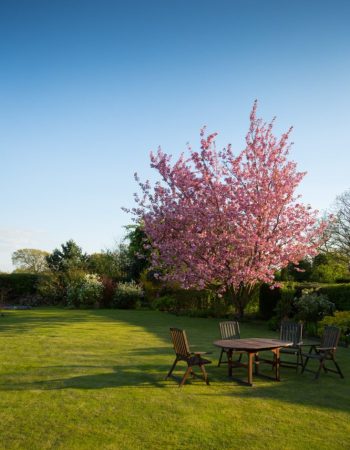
x=277, y=365
x=256, y=362
x=229, y=362
x=250, y=368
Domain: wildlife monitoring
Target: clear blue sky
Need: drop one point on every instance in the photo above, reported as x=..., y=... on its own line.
x=87, y=88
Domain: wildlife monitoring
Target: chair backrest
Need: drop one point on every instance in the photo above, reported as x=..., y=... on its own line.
x=180, y=342
x=229, y=330
x=330, y=337
x=291, y=331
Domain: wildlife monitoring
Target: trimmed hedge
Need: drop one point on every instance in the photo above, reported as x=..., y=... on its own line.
x=20, y=289
x=200, y=303
x=188, y=302
x=279, y=301
x=268, y=300
x=340, y=319
x=339, y=294
x=14, y=285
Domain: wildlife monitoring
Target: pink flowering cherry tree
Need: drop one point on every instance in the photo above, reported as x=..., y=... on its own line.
x=225, y=221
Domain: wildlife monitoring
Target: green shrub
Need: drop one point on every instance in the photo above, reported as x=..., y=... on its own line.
x=164, y=303
x=328, y=267
x=54, y=286
x=21, y=289
x=201, y=303
x=268, y=300
x=285, y=308
x=341, y=319
x=190, y=302
x=343, y=280
x=339, y=294
x=127, y=296
x=19, y=283
x=109, y=287
x=152, y=287
x=300, y=288
x=311, y=308
x=295, y=272
x=85, y=291
x=51, y=289
x=327, y=274
x=273, y=323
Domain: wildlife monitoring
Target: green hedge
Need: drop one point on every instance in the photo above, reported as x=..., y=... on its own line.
x=339, y=294
x=279, y=301
x=127, y=295
x=19, y=283
x=268, y=300
x=20, y=288
x=191, y=302
x=340, y=319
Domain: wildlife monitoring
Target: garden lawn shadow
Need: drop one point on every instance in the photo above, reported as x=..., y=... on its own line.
x=86, y=374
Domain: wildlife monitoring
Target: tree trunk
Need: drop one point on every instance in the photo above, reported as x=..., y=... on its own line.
x=242, y=296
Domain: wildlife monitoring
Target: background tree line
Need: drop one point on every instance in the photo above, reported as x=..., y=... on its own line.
x=60, y=277
x=70, y=277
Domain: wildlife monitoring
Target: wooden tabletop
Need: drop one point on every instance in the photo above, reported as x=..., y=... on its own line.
x=252, y=344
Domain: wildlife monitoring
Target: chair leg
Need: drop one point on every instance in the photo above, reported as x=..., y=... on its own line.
x=338, y=368
x=319, y=369
x=222, y=352
x=274, y=362
x=298, y=363
x=172, y=368
x=301, y=358
x=184, y=378
x=204, y=372
x=305, y=364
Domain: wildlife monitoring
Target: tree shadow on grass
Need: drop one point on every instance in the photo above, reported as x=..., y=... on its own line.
x=130, y=376
x=328, y=392
x=294, y=389
x=201, y=331
x=19, y=321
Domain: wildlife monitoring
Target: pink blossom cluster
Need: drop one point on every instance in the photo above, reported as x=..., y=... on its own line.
x=225, y=219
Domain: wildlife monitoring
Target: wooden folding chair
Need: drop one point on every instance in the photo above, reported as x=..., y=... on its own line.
x=229, y=330
x=183, y=353
x=325, y=351
x=292, y=332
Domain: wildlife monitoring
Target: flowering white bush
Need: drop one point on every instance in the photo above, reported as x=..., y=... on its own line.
x=85, y=291
x=312, y=307
x=127, y=296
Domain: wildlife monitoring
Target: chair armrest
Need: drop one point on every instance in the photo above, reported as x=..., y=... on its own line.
x=325, y=349
x=296, y=345
x=309, y=344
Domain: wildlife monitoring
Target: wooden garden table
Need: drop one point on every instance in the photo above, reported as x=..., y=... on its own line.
x=252, y=347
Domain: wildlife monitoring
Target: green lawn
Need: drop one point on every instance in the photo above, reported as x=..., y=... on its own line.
x=94, y=380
